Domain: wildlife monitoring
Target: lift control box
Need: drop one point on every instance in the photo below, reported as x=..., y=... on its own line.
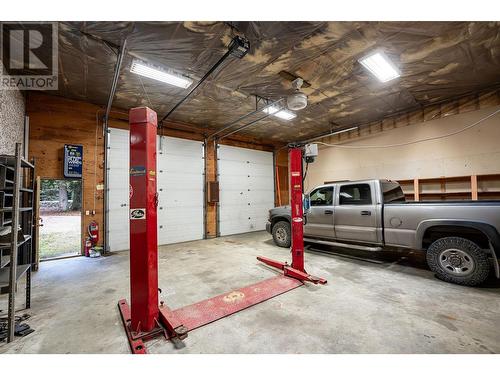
x=310, y=152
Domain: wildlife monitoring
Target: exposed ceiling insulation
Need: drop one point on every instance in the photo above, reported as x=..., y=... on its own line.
x=437, y=60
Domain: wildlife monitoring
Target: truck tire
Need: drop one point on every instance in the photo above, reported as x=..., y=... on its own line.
x=458, y=260
x=282, y=235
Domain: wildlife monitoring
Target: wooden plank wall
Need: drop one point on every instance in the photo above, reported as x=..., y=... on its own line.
x=56, y=121
x=282, y=192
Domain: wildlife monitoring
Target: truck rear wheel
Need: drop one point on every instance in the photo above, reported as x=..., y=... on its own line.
x=458, y=260
x=282, y=234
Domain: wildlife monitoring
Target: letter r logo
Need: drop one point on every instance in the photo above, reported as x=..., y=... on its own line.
x=27, y=48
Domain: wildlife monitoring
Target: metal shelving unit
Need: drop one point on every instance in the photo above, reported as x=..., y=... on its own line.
x=17, y=178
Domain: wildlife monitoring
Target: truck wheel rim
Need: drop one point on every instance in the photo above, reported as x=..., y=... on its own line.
x=281, y=234
x=456, y=262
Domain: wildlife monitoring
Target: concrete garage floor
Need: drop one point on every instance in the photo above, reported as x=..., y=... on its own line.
x=391, y=307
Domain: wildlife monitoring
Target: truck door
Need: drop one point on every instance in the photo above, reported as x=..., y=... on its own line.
x=356, y=213
x=319, y=219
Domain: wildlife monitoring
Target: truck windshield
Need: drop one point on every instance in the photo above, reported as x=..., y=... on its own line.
x=392, y=192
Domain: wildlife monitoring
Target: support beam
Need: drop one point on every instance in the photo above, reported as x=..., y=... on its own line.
x=210, y=175
x=473, y=187
x=114, y=83
x=118, y=66
x=416, y=190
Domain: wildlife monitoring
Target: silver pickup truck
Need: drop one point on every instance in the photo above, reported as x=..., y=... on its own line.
x=461, y=238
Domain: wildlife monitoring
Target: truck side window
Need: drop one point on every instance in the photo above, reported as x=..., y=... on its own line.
x=322, y=196
x=358, y=194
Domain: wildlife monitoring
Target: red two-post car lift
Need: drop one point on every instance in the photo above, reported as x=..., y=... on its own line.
x=144, y=318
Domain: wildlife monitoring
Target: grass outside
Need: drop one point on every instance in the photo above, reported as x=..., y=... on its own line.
x=59, y=236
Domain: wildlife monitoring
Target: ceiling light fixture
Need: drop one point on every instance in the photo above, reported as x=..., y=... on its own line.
x=380, y=66
x=138, y=67
x=280, y=113
x=297, y=100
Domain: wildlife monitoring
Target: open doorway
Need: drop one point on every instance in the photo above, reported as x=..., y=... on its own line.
x=61, y=214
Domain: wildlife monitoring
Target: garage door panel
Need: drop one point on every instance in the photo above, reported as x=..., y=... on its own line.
x=178, y=146
x=260, y=195
x=172, y=181
x=166, y=203
x=180, y=164
x=233, y=182
x=118, y=158
x=247, y=198
x=236, y=211
x=191, y=215
x=261, y=183
x=260, y=169
x=119, y=197
x=243, y=154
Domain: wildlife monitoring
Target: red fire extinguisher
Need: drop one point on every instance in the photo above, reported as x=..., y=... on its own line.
x=93, y=231
x=88, y=246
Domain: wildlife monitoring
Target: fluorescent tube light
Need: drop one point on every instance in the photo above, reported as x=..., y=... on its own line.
x=380, y=66
x=138, y=67
x=280, y=113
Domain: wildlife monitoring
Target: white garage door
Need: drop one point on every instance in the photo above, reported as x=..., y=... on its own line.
x=180, y=181
x=246, y=189
x=180, y=187
x=118, y=184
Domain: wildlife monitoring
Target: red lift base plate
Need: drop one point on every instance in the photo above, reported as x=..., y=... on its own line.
x=136, y=345
x=292, y=272
x=212, y=309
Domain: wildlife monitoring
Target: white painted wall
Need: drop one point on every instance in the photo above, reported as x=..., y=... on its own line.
x=476, y=151
x=11, y=120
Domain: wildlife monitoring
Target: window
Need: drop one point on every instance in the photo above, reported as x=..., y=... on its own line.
x=322, y=196
x=392, y=192
x=358, y=194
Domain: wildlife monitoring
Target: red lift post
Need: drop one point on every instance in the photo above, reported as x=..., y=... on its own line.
x=143, y=219
x=296, y=269
x=144, y=319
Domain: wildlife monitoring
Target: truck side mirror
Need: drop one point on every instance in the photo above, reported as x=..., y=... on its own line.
x=306, y=203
